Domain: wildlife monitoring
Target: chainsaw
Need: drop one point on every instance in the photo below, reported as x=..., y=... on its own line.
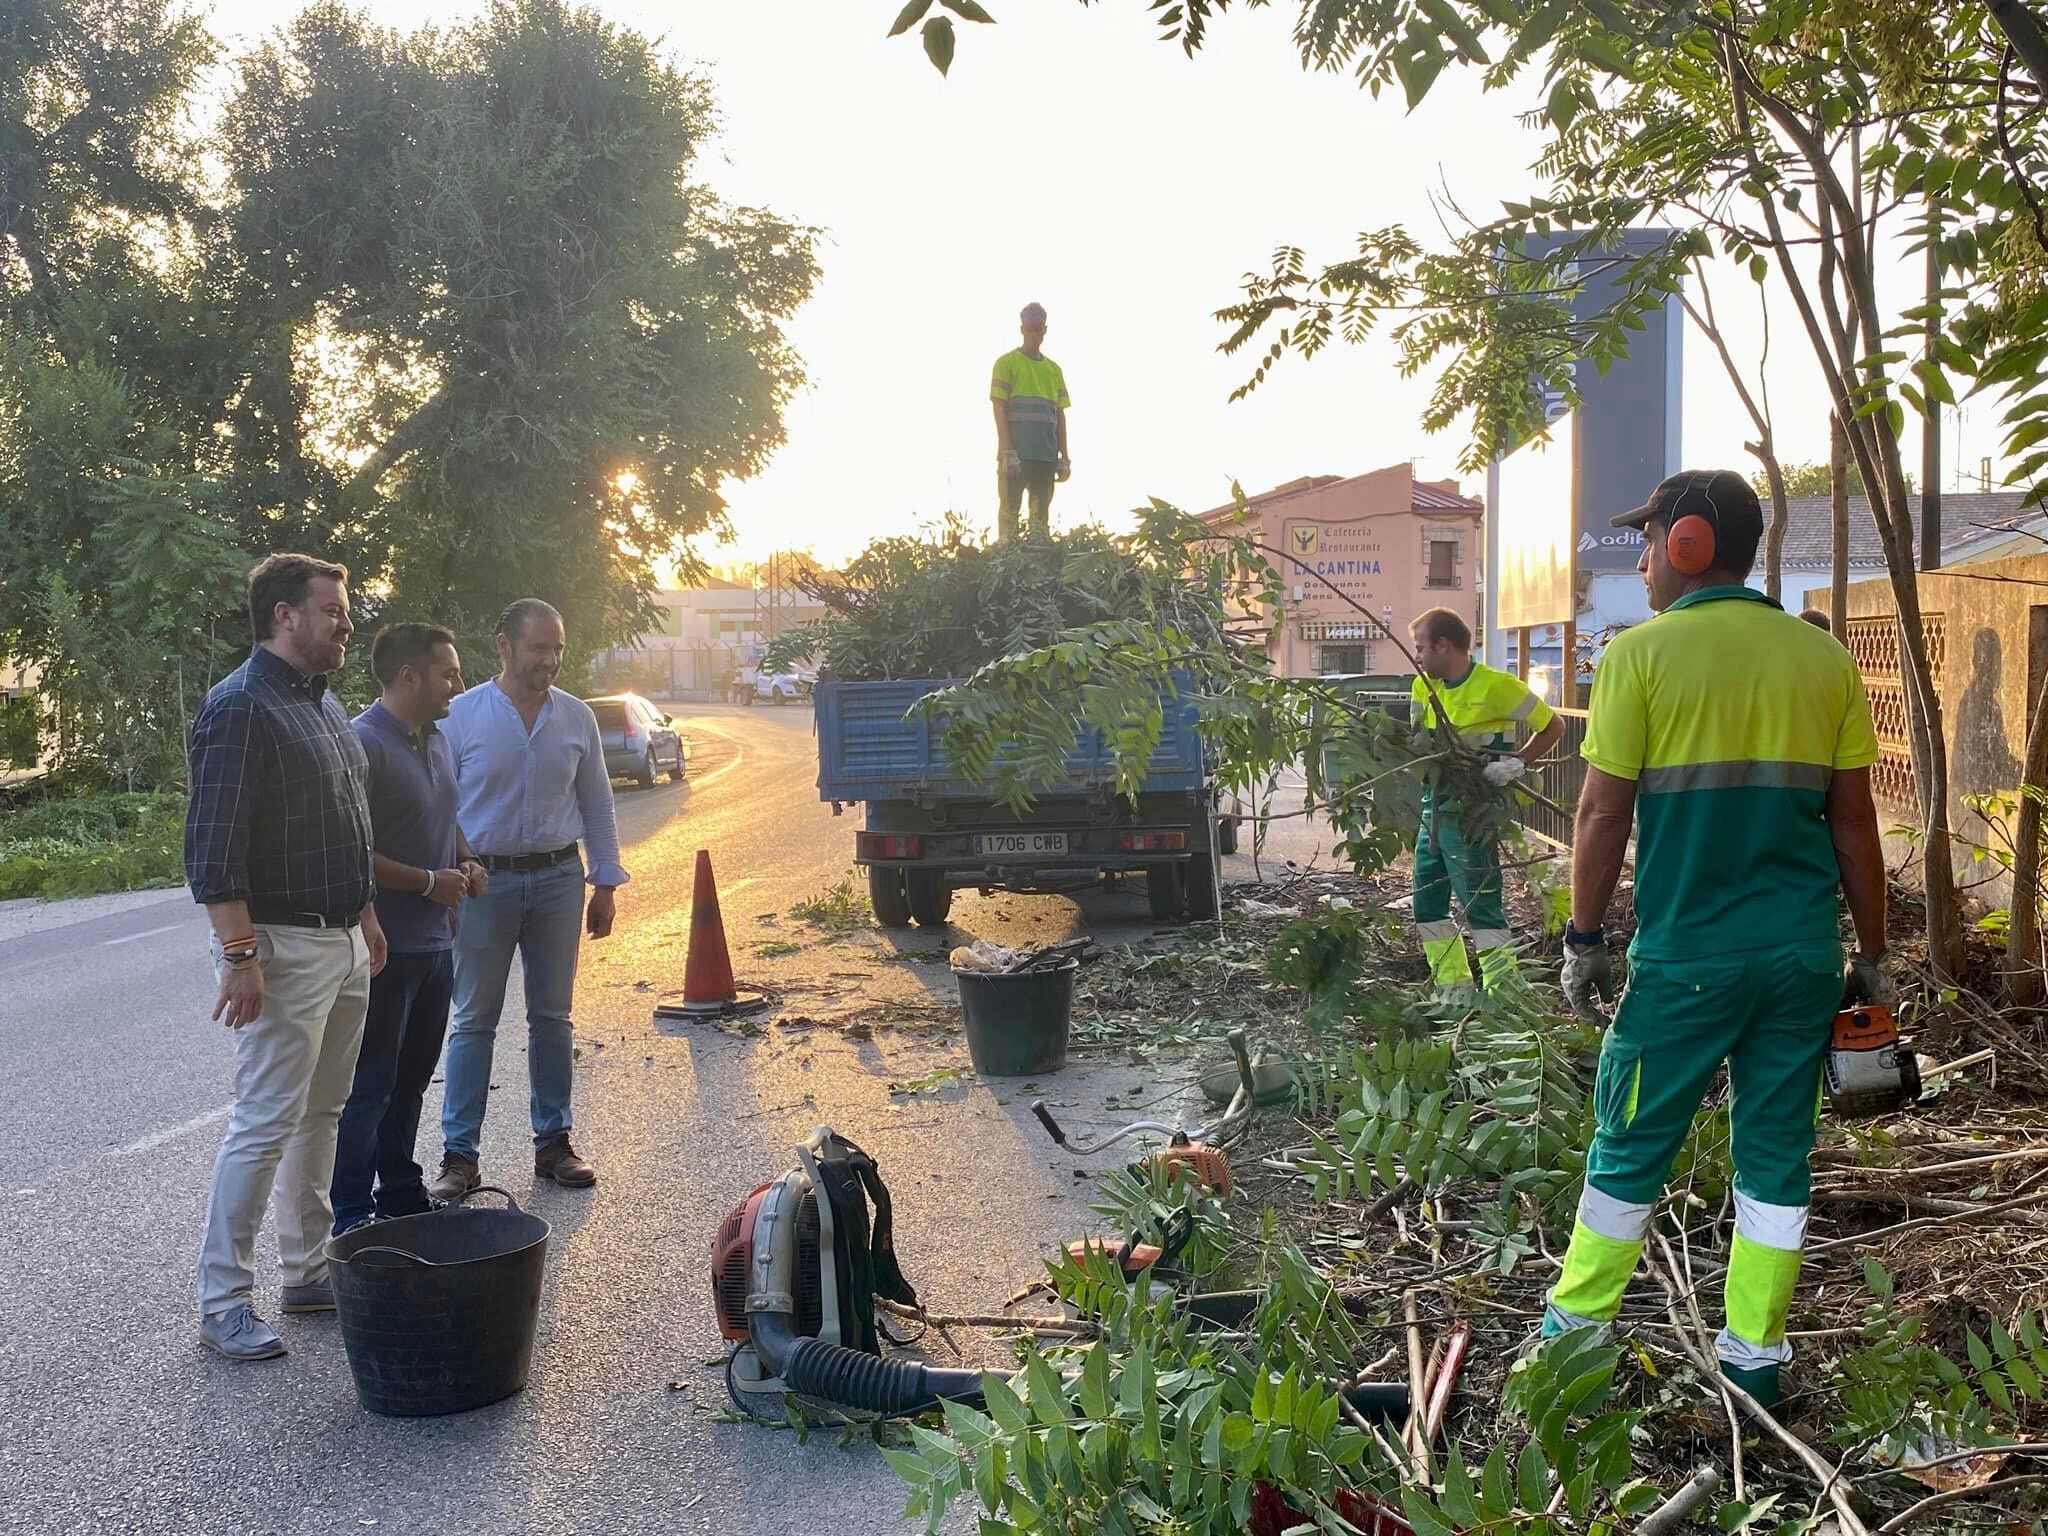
x=1200, y=1151
x=795, y=1270
x=1868, y=1071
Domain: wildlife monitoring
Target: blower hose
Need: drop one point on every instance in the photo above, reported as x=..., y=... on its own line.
x=847, y=1378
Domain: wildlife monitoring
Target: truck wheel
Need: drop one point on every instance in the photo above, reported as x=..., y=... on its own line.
x=886, y=895
x=1226, y=834
x=1164, y=890
x=1201, y=887
x=931, y=897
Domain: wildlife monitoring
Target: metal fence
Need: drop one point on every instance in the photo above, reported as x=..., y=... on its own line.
x=1563, y=775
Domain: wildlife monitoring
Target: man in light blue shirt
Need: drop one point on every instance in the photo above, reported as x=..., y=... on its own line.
x=532, y=787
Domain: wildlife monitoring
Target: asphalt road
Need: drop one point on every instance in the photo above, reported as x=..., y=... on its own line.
x=112, y=1417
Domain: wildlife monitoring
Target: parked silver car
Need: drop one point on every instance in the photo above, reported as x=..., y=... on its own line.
x=640, y=742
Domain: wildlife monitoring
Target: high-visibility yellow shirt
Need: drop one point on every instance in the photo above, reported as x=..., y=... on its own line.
x=1731, y=716
x=1483, y=707
x=1032, y=392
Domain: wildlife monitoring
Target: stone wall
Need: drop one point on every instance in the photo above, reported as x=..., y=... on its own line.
x=1987, y=636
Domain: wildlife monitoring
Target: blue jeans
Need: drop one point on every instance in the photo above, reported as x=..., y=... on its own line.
x=539, y=913
x=401, y=1045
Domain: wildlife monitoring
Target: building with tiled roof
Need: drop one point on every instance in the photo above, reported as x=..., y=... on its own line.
x=1358, y=552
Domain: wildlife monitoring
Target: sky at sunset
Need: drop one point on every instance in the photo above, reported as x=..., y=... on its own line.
x=1074, y=159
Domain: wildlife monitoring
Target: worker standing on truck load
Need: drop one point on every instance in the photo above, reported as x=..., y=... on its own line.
x=1483, y=706
x=1738, y=742
x=1030, y=396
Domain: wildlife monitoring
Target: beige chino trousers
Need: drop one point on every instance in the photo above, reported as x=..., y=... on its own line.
x=294, y=1065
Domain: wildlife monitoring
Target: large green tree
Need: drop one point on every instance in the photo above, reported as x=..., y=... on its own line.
x=448, y=305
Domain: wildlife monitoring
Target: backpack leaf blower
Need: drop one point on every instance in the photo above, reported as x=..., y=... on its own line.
x=795, y=1270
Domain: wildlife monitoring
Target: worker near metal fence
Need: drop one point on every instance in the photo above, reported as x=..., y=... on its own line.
x=1738, y=743
x=1485, y=707
x=1030, y=397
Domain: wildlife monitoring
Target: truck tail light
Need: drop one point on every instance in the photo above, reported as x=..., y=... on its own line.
x=888, y=845
x=1152, y=842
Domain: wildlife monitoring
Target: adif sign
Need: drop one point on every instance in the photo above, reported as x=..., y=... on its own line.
x=1532, y=527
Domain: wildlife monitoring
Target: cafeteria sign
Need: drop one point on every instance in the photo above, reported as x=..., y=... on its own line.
x=1346, y=555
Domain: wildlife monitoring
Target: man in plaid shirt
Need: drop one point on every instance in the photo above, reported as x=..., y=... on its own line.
x=277, y=847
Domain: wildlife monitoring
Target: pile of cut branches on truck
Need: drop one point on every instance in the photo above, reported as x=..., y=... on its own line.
x=942, y=604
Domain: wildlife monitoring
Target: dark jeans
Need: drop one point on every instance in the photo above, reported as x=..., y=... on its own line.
x=401, y=1046
x=1036, y=478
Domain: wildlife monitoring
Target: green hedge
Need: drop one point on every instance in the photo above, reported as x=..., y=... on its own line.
x=86, y=845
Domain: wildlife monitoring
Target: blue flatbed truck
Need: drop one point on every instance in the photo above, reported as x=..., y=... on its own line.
x=928, y=832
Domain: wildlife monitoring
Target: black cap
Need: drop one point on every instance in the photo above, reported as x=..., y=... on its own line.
x=1721, y=496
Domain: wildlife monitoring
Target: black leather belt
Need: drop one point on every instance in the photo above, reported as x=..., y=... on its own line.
x=517, y=863
x=303, y=919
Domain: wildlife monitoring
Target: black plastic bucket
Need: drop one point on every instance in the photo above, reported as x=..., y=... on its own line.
x=438, y=1311
x=1017, y=1025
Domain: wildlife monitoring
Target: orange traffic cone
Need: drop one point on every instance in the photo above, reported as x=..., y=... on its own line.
x=708, y=988
x=707, y=975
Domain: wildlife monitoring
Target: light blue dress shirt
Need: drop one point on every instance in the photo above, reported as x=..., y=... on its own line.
x=533, y=792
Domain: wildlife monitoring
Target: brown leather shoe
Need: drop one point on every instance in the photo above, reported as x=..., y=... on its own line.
x=458, y=1176
x=557, y=1160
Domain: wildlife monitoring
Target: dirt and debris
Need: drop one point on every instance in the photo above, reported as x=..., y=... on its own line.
x=1929, y=1234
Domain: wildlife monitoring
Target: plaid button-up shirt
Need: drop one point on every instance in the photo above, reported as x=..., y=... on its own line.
x=280, y=809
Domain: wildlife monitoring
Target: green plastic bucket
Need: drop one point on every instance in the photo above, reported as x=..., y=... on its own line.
x=1017, y=1025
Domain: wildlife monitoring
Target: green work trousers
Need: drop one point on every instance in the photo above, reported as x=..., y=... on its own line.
x=1034, y=478
x=1447, y=865
x=1767, y=1014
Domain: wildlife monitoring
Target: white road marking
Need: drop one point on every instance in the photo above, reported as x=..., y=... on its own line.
x=171, y=1133
x=739, y=757
x=147, y=933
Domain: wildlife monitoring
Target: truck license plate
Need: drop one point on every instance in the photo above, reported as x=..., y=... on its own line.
x=1021, y=844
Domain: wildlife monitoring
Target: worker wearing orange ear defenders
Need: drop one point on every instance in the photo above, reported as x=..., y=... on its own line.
x=1738, y=744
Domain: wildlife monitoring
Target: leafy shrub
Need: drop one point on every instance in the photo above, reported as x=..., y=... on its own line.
x=86, y=845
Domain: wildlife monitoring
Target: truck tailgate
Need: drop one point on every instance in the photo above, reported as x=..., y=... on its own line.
x=868, y=750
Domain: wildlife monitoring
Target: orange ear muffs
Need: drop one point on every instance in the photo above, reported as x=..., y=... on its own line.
x=1690, y=545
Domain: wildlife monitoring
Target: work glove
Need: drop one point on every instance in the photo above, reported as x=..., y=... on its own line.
x=1864, y=981
x=1012, y=465
x=1503, y=771
x=1063, y=469
x=1588, y=973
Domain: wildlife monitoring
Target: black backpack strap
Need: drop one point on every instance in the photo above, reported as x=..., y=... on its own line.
x=889, y=1278
x=853, y=1266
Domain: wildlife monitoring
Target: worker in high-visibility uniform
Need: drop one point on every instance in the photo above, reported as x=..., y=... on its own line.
x=1738, y=743
x=1484, y=706
x=1029, y=394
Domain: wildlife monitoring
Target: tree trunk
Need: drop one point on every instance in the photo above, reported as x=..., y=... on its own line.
x=1930, y=423
x=2023, y=30
x=1851, y=376
x=1838, y=507
x=2023, y=977
x=1877, y=451
x=1774, y=531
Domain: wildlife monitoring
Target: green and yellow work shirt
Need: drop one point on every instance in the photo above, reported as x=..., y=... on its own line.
x=1731, y=716
x=1483, y=707
x=1032, y=392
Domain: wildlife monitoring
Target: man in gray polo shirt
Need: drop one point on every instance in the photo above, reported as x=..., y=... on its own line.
x=424, y=873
